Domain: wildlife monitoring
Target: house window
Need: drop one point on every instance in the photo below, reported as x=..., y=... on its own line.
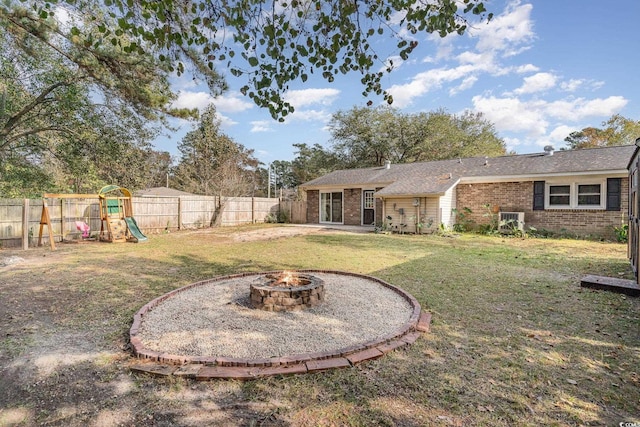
x=576, y=195
x=368, y=200
x=559, y=195
x=331, y=207
x=589, y=195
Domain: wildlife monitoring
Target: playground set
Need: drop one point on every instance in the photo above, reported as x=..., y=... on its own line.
x=117, y=223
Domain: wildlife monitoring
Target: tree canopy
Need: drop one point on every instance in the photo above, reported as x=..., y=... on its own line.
x=369, y=136
x=269, y=44
x=365, y=137
x=211, y=163
x=72, y=117
x=617, y=130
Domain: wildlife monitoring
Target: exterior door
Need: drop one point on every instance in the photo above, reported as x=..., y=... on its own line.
x=368, y=208
x=331, y=207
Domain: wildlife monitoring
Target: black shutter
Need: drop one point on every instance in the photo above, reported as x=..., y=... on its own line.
x=614, y=187
x=538, y=195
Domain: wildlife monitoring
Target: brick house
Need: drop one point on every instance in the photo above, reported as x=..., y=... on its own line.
x=583, y=192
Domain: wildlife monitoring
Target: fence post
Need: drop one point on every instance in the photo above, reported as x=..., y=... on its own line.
x=25, y=224
x=179, y=213
x=253, y=210
x=62, y=220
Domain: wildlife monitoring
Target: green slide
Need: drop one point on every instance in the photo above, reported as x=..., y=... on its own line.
x=134, y=230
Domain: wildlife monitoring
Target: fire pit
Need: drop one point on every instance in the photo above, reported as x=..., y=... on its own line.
x=286, y=291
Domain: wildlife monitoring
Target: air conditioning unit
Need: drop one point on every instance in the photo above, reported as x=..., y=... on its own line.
x=510, y=221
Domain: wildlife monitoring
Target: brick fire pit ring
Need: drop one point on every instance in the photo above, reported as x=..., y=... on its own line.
x=286, y=291
x=222, y=336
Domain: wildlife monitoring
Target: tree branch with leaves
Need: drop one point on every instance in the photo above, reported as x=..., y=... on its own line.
x=271, y=44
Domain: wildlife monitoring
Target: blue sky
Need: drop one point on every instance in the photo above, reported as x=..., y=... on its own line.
x=538, y=71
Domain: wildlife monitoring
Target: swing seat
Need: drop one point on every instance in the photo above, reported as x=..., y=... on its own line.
x=84, y=227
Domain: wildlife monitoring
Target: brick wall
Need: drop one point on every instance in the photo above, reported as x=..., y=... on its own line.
x=518, y=197
x=313, y=207
x=352, y=206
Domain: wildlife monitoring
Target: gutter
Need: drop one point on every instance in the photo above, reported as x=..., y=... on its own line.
x=392, y=196
x=346, y=185
x=538, y=177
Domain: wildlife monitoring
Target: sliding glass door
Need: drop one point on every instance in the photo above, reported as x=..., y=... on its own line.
x=331, y=207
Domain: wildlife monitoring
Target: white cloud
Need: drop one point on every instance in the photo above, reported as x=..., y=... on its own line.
x=406, y=34
x=228, y=103
x=572, y=85
x=512, y=144
x=63, y=16
x=187, y=99
x=537, y=83
x=445, y=46
x=580, y=108
x=505, y=35
x=184, y=82
x=510, y=33
x=395, y=59
x=301, y=98
x=511, y=114
x=225, y=121
x=558, y=134
x=232, y=102
x=397, y=17
x=425, y=82
x=527, y=68
x=467, y=83
x=261, y=126
x=310, y=116
x=481, y=60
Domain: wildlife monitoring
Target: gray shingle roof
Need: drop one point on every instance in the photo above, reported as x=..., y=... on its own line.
x=438, y=176
x=161, y=192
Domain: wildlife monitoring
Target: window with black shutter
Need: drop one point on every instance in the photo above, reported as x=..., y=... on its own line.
x=614, y=187
x=538, y=195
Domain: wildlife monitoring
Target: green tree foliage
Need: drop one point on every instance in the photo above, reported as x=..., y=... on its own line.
x=282, y=174
x=211, y=163
x=270, y=44
x=313, y=161
x=279, y=175
x=74, y=116
x=617, y=130
x=365, y=137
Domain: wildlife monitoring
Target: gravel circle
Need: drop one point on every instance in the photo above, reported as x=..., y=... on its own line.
x=214, y=319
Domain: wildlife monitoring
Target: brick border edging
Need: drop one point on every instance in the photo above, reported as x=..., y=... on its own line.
x=205, y=367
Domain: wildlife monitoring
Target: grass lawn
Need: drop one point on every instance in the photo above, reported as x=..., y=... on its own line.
x=515, y=340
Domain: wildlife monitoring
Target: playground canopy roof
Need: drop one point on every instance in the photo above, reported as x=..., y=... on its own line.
x=111, y=188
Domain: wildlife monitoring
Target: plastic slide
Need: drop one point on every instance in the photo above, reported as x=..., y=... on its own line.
x=134, y=230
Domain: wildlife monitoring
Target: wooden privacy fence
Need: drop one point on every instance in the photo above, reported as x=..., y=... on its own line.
x=20, y=218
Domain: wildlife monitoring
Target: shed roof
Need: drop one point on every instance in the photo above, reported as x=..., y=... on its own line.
x=161, y=192
x=438, y=176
